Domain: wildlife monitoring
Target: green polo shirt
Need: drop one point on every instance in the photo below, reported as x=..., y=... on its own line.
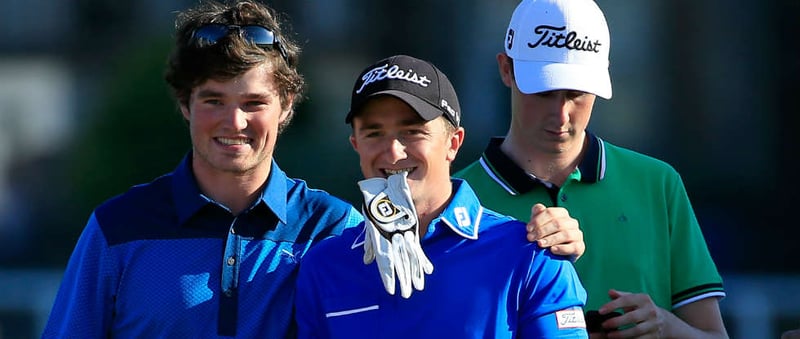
x=640, y=230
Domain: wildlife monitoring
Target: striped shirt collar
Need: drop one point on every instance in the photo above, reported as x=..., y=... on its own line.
x=516, y=181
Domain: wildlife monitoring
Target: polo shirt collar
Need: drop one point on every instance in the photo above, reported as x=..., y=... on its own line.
x=515, y=180
x=189, y=200
x=463, y=213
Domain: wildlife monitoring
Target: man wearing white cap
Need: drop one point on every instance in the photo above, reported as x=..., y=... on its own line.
x=646, y=256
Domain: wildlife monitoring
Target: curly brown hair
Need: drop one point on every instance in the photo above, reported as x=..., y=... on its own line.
x=191, y=63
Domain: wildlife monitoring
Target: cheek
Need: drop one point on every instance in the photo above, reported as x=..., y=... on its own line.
x=366, y=154
x=583, y=116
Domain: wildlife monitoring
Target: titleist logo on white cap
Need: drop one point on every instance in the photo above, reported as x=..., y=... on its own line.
x=552, y=36
x=394, y=72
x=559, y=45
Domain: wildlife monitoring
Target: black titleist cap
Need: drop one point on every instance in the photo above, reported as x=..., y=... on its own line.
x=417, y=82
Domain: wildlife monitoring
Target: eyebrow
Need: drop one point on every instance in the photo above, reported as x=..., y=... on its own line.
x=205, y=93
x=210, y=93
x=404, y=123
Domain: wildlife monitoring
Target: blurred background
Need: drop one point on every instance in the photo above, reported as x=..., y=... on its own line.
x=706, y=85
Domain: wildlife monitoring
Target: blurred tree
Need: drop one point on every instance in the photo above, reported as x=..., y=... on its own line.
x=133, y=135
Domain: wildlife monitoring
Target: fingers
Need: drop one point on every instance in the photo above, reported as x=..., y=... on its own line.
x=417, y=275
x=549, y=221
x=402, y=264
x=536, y=209
x=641, y=317
x=572, y=249
x=553, y=226
x=562, y=236
x=619, y=300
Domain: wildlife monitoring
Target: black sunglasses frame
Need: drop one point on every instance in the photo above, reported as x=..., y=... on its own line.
x=259, y=35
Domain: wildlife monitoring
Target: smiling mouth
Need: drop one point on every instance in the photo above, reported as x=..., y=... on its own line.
x=233, y=141
x=389, y=172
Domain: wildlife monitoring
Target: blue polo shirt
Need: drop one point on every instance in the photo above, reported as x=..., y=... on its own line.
x=164, y=260
x=488, y=282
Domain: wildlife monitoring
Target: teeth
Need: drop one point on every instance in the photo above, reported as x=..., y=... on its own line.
x=392, y=172
x=233, y=141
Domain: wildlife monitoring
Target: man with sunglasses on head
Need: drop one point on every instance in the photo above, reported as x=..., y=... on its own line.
x=212, y=248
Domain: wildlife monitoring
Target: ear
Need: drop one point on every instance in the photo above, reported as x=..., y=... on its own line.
x=289, y=108
x=185, y=111
x=456, y=140
x=353, y=142
x=506, y=69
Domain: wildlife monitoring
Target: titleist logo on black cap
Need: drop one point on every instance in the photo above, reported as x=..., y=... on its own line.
x=552, y=36
x=385, y=72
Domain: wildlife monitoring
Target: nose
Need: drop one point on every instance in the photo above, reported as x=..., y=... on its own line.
x=237, y=118
x=562, y=106
x=396, y=150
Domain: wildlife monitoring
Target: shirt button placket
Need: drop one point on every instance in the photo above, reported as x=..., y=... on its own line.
x=230, y=266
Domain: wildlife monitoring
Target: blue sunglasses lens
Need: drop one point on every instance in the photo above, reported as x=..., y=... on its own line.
x=214, y=32
x=210, y=33
x=259, y=35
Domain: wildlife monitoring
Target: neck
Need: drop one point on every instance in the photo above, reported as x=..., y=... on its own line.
x=551, y=166
x=236, y=191
x=428, y=209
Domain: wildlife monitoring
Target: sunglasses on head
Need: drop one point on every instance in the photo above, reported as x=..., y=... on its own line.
x=259, y=35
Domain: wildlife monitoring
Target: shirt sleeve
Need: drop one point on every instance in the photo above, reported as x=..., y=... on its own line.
x=554, y=299
x=693, y=271
x=83, y=305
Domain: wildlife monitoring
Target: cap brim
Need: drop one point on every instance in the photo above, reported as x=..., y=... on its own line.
x=535, y=77
x=422, y=107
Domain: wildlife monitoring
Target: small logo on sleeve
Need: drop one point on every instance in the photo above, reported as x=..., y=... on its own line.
x=572, y=318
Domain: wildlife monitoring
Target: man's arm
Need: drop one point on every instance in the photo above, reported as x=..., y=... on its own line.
x=553, y=299
x=82, y=308
x=699, y=319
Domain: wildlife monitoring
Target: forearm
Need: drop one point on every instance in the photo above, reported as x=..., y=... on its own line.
x=676, y=327
x=699, y=319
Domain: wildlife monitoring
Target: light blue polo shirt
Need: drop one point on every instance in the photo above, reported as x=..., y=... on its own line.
x=488, y=282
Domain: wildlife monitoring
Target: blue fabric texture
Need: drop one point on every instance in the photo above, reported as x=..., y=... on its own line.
x=163, y=260
x=488, y=282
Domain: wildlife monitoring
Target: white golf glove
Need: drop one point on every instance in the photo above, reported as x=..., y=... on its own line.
x=391, y=233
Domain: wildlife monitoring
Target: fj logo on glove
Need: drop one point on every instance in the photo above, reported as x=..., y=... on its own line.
x=384, y=210
x=391, y=234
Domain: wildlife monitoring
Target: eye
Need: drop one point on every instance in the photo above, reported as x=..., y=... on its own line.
x=414, y=134
x=255, y=103
x=573, y=95
x=212, y=102
x=372, y=134
x=411, y=132
x=548, y=94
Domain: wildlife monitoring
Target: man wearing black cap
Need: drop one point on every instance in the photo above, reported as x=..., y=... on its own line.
x=477, y=277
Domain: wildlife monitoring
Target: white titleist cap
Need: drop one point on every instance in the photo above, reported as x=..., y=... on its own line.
x=559, y=44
